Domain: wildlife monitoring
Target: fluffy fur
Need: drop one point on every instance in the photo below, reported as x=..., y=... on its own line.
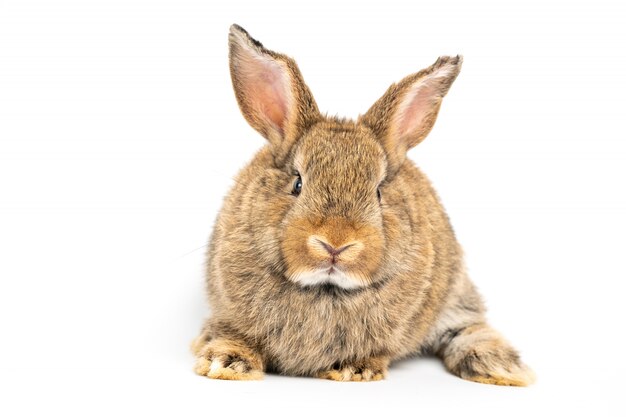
x=359, y=269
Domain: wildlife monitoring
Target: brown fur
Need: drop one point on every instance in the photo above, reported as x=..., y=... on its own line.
x=407, y=288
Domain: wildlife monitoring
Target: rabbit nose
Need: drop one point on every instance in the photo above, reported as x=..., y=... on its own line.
x=322, y=248
x=331, y=250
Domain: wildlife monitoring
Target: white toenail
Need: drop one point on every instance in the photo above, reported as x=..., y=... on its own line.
x=215, y=365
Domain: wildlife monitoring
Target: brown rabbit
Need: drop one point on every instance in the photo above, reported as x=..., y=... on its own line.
x=332, y=255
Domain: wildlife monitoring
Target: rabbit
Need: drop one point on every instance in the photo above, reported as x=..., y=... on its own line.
x=332, y=255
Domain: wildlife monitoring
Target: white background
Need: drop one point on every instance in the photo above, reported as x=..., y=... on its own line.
x=119, y=135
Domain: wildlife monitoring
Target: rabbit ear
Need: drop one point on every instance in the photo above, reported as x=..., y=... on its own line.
x=405, y=114
x=270, y=90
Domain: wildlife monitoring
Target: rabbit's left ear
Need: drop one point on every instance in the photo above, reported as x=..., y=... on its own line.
x=406, y=113
x=270, y=91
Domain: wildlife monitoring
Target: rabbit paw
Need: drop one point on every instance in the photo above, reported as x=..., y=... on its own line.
x=373, y=369
x=478, y=353
x=494, y=368
x=225, y=359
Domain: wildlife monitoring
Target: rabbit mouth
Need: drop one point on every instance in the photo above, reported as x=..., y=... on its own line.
x=328, y=275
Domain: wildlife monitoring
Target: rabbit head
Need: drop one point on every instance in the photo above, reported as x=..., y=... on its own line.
x=335, y=173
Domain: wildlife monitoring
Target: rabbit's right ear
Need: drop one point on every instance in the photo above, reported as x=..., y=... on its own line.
x=270, y=91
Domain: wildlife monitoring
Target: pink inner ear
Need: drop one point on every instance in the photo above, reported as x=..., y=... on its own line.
x=265, y=85
x=418, y=104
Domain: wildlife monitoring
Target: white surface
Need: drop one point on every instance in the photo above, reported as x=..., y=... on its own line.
x=119, y=135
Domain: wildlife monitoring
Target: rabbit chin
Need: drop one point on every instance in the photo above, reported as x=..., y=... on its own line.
x=332, y=276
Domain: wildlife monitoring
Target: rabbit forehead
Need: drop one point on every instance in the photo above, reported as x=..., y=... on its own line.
x=340, y=148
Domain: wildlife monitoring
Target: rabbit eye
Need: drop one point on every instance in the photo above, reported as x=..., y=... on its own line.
x=378, y=194
x=297, y=186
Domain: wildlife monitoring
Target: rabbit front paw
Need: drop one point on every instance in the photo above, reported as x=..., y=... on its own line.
x=372, y=369
x=228, y=360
